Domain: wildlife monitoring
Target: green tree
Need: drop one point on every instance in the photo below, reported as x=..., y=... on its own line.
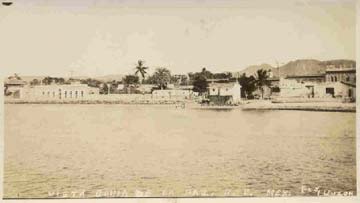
x=140, y=68
x=104, y=89
x=262, y=80
x=35, y=82
x=248, y=85
x=222, y=75
x=162, y=77
x=129, y=80
x=150, y=80
x=207, y=74
x=200, y=84
x=47, y=80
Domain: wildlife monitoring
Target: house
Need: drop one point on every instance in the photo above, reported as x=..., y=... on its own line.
x=224, y=93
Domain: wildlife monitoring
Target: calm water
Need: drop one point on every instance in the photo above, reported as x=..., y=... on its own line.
x=115, y=150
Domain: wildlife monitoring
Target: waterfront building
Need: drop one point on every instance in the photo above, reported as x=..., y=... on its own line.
x=224, y=93
x=293, y=88
x=74, y=91
x=336, y=82
x=13, y=87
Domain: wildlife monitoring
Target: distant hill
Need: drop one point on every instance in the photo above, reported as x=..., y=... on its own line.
x=251, y=70
x=105, y=78
x=299, y=67
x=109, y=78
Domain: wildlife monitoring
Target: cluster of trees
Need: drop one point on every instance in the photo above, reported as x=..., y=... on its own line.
x=251, y=83
x=161, y=77
x=200, y=79
x=48, y=81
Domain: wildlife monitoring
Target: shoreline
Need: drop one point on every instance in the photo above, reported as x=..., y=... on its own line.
x=250, y=106
x=147, y=102
x=302, y=106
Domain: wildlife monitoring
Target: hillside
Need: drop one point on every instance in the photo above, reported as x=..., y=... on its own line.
x=299, y=67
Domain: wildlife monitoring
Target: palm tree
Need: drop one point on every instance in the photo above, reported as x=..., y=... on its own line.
x=262, y=80
x=162, y=77
x=140, y=68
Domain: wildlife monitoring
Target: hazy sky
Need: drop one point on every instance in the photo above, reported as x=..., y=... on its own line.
x=39, y=37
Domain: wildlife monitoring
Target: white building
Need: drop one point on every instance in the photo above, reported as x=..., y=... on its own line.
x=293, y=88
x=222, y=93
x=75, y=91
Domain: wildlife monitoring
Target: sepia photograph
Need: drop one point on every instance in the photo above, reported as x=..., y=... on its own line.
x=119, y=99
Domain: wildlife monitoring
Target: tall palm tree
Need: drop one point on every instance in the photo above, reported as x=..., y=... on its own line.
x=140, y=68
x=262, y=80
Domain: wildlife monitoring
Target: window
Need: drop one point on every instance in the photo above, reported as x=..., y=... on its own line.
x=330, y=90
x=70, y=94
x=335, y=78
x=347, y=78
x=76, y=94
x=213, y=90
x=43, y=93
x=65, y=94
x=82, y=93
x=275, y=89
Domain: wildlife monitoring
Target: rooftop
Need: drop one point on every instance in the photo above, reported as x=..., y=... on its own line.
x=14, y=81
x=223, y=85
x=352, y=84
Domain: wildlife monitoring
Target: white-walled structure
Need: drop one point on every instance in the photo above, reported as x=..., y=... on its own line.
x=224, y=93
x=293, y=88
x=173, y=94
x=225, y=89
x=75, y=91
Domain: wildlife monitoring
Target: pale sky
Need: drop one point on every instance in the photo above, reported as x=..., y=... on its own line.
x=39, y=37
